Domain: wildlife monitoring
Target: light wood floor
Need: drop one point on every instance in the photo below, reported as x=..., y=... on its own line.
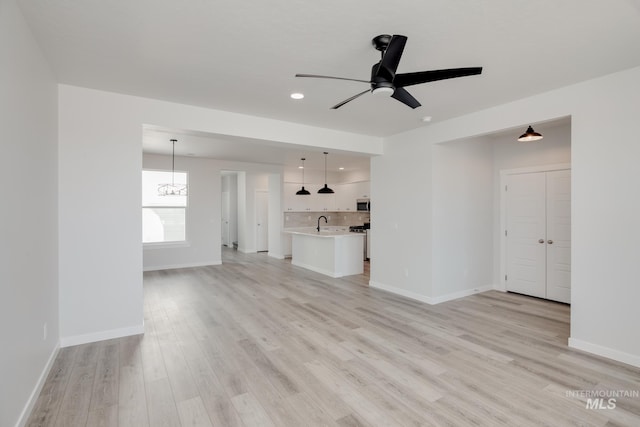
x=258, y=342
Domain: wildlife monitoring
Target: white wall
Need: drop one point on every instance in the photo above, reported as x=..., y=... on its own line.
x=605, y=206
x=28, y=218
x=462, y=195
x=203, y=216
x=401, y=218
x=276, y=216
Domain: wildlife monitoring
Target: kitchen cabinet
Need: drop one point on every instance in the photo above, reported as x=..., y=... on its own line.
x=293, y=202
x=322, y=202
x=313, y=202
x=346, y=196
x=362, y=189
x=334, y=253
x=343, y=200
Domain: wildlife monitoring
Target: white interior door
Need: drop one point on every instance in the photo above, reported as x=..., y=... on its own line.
x=559, y=236
x=226, y=213
x=526, y=255
x=262, y=221
x=538, y=207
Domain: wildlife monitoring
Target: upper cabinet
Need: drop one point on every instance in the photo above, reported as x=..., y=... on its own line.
x=293, y=202
x=322, y=202
x=344, y=198
x=362, y=189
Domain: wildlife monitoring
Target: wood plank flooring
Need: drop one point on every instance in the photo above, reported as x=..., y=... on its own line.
x=259, y=342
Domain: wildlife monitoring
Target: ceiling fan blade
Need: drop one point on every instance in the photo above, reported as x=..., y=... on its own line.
x=405, y=97
x=315, y=76
x=392, y=55
x=408, y=79
x=335, y=107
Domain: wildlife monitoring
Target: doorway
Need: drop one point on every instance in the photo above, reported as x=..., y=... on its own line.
x=225, y=216
x=262, y=221
x=536, y=219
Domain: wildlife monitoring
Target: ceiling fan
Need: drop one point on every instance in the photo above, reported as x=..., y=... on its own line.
x=384, y=79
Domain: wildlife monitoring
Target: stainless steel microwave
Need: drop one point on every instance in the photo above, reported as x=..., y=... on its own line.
x=363, y=205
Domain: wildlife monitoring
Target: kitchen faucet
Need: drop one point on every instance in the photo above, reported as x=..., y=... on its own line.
x=326, y=221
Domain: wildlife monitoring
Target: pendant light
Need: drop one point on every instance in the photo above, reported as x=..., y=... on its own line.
x=530, y=135
x=172, y=189
x=325, y=189
x=302, y=191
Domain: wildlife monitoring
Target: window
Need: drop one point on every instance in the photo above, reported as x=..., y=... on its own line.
x=163, y=217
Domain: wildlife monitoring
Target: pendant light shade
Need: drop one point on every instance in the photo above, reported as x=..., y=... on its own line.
x=325, y=189
x=172, y=189
x=302, y=191
x=530, y=135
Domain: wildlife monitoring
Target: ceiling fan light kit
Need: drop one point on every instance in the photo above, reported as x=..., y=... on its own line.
x=530, y=135
x=385, y=81
x=383, y=91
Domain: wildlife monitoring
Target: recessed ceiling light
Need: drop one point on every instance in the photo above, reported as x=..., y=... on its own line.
x=300, y=167
x=297, y=95
x=341, y=169
x=426, y=119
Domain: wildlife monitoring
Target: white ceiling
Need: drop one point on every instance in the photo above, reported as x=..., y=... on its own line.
x=242, y=56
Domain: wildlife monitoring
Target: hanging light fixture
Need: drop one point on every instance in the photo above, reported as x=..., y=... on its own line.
x=302, y=191
x=325, y=189
x=172, y=189
x=530, y=135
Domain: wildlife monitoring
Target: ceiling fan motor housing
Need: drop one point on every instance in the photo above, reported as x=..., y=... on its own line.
x=381, y=42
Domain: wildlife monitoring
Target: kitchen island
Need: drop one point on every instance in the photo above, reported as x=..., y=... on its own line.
x=336, y=253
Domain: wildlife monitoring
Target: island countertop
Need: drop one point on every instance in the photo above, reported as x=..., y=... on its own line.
x=324, y=231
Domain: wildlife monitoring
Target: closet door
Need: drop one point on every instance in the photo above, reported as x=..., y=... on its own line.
x=559, y=236
x=539, y=234
x=526, y=223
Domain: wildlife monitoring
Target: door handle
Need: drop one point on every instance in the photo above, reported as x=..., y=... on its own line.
x=541, y=241
x=550, y=242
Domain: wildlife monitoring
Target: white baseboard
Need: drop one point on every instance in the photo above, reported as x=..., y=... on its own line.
x=101, y=336
x=400, y=291
x=609, y=353
x=428, y=299
x=316, y=269
x=276, y=256
x=186, y=265
x=26, y=411
x=461, y=294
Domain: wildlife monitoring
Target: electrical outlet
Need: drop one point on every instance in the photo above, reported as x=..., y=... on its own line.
x=406, y=272
x=286, y=218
